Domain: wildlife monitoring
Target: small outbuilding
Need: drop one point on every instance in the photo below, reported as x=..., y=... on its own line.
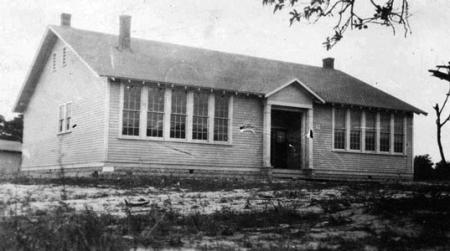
x=10, y=157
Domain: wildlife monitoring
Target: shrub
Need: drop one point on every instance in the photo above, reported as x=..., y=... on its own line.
x=442, y=171
x=423, y=167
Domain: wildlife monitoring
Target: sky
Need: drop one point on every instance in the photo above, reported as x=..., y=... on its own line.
x=393, y=63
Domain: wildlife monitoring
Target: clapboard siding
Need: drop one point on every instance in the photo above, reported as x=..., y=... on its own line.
x=327, y=161
x=245, y=150
x=73, y=83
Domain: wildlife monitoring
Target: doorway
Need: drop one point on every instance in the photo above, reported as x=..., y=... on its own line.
x=286, y=139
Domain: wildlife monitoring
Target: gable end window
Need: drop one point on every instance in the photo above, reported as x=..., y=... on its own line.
x=64, y=117
x=61, y=118
x=178, y=114
x=200, y=116
x=339, y=128
x=131, y=110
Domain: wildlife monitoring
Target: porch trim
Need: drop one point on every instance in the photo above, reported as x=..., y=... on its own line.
x=295, y=80
x=289, y=104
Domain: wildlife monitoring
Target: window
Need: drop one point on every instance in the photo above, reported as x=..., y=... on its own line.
x=145, y=109
x=68, y=115
x=200, y=117
x=64, y=117
x=61, y=119
x=131, y=110
x=178, y=114
x=339, y=128
x=371, y=130
x=155, y=112
x=398, y=134
x=64, y=62
x=54, y=62
x=221, y=118
x=355, y=129
x=385, y=131
x=390, y=129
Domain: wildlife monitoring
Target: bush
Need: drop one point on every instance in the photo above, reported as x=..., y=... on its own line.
x=442, y=171
x=423, y=167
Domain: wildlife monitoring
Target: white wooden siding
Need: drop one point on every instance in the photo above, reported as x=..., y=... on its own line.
x=245, y=150
x=355, y=163
x=42, y=146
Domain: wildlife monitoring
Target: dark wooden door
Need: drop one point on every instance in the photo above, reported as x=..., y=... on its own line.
x=294, y=148
x=279, y=148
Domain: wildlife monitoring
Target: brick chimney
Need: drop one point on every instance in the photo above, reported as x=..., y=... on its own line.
x=328, y=63
x=124, y=32
x=65, y=19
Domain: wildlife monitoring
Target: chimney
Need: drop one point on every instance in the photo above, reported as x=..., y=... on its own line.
x=65, y=19
x=328, y=63
x=124, y=32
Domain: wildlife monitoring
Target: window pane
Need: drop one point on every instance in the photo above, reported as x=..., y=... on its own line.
x=339, y=128
x=221, y=118
x=398, y=134
x=355, y=129
x=200, y=118
x=68, y=115
x=178, y=114
x=155, y=114
x=131, y=110
x=61, y=118
x=371, y=127
x=385, y=131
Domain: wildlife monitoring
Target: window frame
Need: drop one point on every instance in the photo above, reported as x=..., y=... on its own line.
x=374, y=131
x=334, y=129
x=223, y=118
x=64, y=124
x=179, y=114
x=377, y=133
x=147, y=110
x=350, y=123
x=387, y=131
x=168, y=90
x=403, y=122
x=201, y=116
x=122, y=106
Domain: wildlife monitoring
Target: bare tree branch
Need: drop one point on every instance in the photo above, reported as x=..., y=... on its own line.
x=389, y=13
x=444, y=76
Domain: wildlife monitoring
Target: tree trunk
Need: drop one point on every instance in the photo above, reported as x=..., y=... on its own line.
x=439, y=126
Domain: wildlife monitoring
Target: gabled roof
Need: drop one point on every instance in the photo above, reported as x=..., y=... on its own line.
x=177, y=64
x=10, y=146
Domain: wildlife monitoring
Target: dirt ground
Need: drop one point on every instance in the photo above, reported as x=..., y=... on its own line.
x=286, y=215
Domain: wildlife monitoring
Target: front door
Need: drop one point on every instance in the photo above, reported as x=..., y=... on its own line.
x=286, y=136
x=279, y=145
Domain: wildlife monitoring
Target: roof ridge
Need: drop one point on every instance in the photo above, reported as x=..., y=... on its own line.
x=193, y=47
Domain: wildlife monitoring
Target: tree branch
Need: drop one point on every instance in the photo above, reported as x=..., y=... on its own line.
x=385, y=14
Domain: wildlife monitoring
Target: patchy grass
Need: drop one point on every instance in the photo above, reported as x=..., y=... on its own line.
x=225, y=215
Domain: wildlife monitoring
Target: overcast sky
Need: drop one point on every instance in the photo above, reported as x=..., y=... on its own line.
x=395, y=64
